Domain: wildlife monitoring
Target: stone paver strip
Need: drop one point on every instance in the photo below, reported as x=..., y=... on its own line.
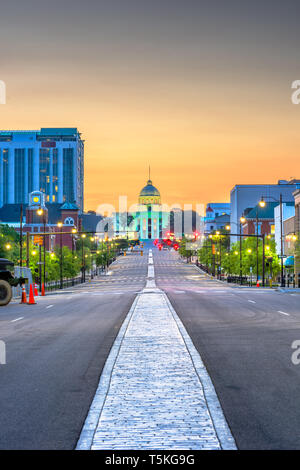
x=154, y=391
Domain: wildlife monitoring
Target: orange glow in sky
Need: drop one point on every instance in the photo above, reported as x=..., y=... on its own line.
x=206, y=107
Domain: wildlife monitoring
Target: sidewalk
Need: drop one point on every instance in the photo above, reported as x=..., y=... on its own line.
x=154, y=391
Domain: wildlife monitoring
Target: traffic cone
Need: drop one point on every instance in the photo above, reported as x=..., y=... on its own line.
x=257, y=284
x=36, y=293
x=43, y=289
x=23, y=298
x=31, y=300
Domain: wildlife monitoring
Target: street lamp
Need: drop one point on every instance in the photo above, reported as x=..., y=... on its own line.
x=83, y=236
x=40, y=212
x=242, y=221
x=60, y=225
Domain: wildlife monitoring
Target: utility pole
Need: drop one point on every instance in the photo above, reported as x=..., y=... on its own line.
x=21, y=235
x=257, y=244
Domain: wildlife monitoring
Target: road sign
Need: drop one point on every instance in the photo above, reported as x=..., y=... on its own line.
x=38, y=240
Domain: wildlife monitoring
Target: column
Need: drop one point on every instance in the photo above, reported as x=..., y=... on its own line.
x=60, y=179
x=36, y=169
x=25, y=197
x=11, y=175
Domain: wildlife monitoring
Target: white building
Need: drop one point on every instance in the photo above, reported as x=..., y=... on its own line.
x=288, y=211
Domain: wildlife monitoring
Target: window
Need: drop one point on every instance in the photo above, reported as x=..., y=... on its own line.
x=44, y=170
x=68, y=194
x=19, y=175
x=69, y=221
x=54, y=173
x=5, y=176
x=30, y=170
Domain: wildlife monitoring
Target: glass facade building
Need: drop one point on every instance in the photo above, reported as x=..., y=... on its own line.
x=50, y=160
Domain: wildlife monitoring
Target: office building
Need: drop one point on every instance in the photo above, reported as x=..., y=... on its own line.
x=50, y=160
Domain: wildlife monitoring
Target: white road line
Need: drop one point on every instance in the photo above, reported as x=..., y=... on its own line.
x=16, y=319
x=252, y=301
x=283, y=313
x=49, y=306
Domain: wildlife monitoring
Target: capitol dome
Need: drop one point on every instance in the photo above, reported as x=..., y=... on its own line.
x=149, y=194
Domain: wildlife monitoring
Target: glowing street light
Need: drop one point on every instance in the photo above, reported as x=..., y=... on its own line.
x=262, y=202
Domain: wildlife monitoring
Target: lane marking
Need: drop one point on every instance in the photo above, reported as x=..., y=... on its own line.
x=49, y=306
x=252, y=301
x=283, y=313
x=16, y=319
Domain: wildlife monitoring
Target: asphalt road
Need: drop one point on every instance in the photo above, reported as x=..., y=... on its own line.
x=56, y=351
x=244, y=336
x=55, y=354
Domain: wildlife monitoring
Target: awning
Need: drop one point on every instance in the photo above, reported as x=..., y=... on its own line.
x=289, y=262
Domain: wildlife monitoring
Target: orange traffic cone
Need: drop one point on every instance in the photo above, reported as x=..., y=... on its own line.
x=257, y=284
x=43, y=289
x=31, y=300
x=23, y=298
x=36, y=292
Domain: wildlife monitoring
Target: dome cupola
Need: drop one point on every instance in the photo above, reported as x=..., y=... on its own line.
x=149, y=194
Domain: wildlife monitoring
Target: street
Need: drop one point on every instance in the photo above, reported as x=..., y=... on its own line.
x=56, y=351
x=244, y=336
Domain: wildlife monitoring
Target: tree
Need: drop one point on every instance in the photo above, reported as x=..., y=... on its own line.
x=184, y=250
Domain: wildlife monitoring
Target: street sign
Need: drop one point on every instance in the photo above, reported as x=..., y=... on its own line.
x=38, y=240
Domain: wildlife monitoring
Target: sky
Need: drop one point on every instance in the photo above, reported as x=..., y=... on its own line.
x=199, y=90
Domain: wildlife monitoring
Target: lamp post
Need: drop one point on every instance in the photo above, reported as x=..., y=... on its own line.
x=74, y=230
x=242, y=221
x=83, y=236
x=40, y=211
x=257, y=245
x=21, y=235
x=59, y=224
x=27, y=249
x=219, y=267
